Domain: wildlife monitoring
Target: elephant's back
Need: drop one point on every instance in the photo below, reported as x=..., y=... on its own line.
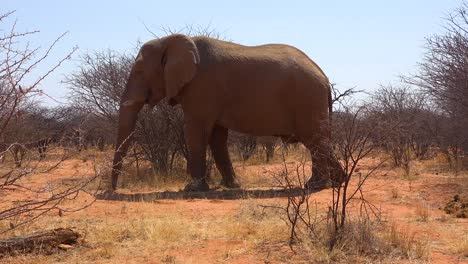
x=294, y=58
x=271, y=68
x=283, y=57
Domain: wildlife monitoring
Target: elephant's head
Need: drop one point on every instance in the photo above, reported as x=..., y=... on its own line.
x=162, y=68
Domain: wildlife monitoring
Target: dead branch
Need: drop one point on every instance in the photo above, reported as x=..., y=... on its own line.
x=39, y=242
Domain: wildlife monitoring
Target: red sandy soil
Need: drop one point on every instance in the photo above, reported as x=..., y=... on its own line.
x=428, y=189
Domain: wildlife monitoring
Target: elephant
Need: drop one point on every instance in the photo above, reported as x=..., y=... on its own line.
x=267, y=90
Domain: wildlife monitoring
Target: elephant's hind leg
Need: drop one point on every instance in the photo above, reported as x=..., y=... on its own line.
x=320, y=166
x=218, y=145
x=314, y=134
x=326, y=169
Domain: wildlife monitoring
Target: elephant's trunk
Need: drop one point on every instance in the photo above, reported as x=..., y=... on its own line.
x=128, y=114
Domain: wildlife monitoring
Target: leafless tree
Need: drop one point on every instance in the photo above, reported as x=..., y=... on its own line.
x=22, y=202
x=443, y=71
x=443, y=75
x=339, y=98
x=422, y=136
x=17, y=63
x=98, y=83
x=449, y=138
x=402, y=113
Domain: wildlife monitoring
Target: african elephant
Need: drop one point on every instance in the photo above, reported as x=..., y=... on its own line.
x=267, y=90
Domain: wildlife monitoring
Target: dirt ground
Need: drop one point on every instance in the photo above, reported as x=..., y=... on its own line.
x=245, y=229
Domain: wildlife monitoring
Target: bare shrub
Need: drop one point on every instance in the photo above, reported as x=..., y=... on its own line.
x=351, y=140
x=23, y=202
x=352, y=226
x=405, y=131
x=268, y=145
x=32, y=131
x=298, y=212
x=309, y=226
x=160, y=134
x=244, y=144
x=457, y=207
x=351, y=143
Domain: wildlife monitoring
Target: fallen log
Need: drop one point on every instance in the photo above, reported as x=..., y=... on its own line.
x=45, y=242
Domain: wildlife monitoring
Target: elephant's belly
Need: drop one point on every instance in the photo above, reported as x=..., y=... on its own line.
x=261, y=122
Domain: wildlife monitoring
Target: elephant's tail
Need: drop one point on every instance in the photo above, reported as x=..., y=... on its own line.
x=330, y=101
x=330, y=109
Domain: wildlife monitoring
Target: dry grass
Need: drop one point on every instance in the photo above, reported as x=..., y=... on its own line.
x=120, y=232
x=395, y=193
x=422, y=212
x=109, y=234
x=461, y=247
x=116, y=233
x=366, y=241
x=440, y=166
x=404, y=242
x=257, y=222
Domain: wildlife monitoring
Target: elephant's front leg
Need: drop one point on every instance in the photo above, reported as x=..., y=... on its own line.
x=196, y=136
x=218, y=145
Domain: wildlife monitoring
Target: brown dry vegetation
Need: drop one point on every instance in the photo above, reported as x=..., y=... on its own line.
x=413, y=227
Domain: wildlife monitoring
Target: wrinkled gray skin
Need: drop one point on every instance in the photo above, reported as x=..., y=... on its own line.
x=268, y=90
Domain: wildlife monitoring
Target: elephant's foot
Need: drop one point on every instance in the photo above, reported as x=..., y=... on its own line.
x=231, y=184
x=198, y=185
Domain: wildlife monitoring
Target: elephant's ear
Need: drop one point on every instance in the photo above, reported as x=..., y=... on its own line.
x=180, y=62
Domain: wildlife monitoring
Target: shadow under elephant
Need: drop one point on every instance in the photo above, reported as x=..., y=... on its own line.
x=231, y=194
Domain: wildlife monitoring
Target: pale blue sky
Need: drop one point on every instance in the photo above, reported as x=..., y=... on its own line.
x=358, y=43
